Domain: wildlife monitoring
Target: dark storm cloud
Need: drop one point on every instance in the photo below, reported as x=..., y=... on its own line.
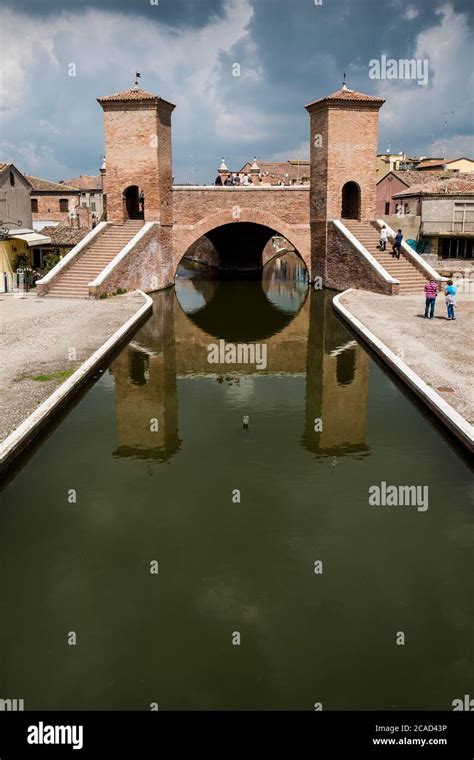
x=289, y=51
x=196, y=13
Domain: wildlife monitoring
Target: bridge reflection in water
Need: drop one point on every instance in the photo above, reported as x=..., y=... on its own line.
x=303, y=338
x=246, y=566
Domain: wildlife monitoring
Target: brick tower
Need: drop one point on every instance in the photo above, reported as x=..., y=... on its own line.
x=343, y=139
x=138, y=177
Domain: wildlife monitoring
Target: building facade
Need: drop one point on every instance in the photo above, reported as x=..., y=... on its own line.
x=51, y=202
x=16, y=229
x=15, y=207
x=91, y=195
x=461, y=164
x=446, y=211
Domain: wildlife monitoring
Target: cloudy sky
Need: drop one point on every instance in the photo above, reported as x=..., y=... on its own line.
x=289, y=53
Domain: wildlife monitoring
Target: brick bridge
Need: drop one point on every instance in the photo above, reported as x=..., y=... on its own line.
x=256, y=214
x=152, y=224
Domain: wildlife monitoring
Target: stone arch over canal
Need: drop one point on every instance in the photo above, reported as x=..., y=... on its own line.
x=239, y=235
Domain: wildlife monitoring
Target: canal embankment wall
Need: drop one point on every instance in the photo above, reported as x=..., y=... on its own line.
x=36, y=361
x=420, y=351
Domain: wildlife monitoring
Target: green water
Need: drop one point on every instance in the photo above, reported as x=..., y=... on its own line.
x=226, y=567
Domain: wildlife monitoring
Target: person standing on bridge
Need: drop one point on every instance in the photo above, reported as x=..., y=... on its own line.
x=229, y=181
x=246, y=179
x=218, y=180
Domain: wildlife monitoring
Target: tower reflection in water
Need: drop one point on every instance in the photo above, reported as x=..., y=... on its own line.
x=302, y=335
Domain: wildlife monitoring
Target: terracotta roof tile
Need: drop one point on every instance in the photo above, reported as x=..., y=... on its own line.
x=455, y=186
x=344, y=94
x=296, y=169
x=433, y=162
x=85, y=182
x=134, y=94
x=414, y=177
x=64, y=234
x=43, y=185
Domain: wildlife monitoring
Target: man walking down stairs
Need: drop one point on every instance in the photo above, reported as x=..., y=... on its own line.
x=73, y=281
x=411, y=279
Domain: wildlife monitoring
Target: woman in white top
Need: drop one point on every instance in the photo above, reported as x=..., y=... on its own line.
x=383, y=238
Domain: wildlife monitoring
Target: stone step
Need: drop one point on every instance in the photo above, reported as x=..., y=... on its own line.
x=74, y=281
x=409, y=276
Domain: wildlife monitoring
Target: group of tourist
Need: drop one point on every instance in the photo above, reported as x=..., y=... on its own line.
x=431, y=293
x=234, y=179
x=397, y=241
x=431, y=287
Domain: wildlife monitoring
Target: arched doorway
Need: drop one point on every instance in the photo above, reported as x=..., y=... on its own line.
x=131, y=199
x=350, y=202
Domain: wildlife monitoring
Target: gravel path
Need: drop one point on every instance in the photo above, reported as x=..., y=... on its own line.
x=45, y=336
x=440, y=352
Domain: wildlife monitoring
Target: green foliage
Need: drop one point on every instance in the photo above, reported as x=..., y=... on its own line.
x=53, y=376
x=102, y=296
x=21, y=261
x=51, y=260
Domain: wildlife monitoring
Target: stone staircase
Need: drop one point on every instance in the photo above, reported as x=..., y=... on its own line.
x=73, y=281
x=411, y=279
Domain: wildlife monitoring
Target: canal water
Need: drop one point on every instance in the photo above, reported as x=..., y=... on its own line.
x=198, y=564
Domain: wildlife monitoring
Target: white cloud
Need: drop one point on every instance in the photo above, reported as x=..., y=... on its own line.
x=453, y=146
x=106, y=49
x=301, y=150
x=419, y=111
x=410, y=13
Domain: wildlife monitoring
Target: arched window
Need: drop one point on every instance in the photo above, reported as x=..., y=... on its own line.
x=350, y=201
x=63, y=204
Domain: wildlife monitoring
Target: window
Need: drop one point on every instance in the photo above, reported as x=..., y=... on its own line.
x=63, y=204
x=463, y=217
x=387, y=208
x=34, y=205
x=93, y=205
x=12, y=179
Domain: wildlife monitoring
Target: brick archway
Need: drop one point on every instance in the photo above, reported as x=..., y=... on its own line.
x=184, y=236
x=350, y=200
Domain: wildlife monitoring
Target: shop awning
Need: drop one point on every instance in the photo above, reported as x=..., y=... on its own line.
x=31, y=238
